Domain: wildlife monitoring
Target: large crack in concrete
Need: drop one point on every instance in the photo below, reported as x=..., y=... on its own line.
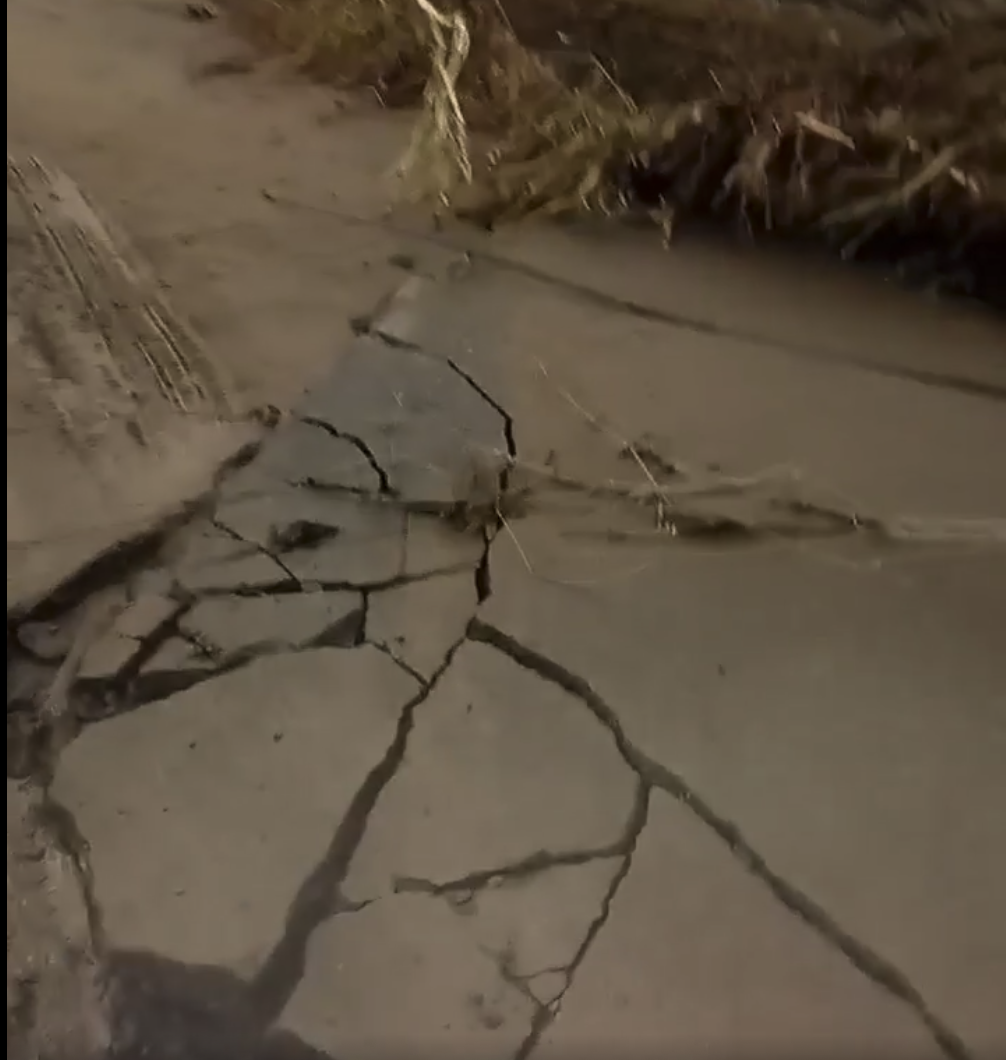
x=685, y=507
x=546, y=1014
x=458, y=892
x=328, y=585
x=130, y=553
x=384, y=483
x=654, y=775
x=798, y=519
x=134, y=685
x=270, y=554
x=320, y=896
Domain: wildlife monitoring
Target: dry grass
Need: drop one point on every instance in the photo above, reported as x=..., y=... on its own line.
x=876, y=136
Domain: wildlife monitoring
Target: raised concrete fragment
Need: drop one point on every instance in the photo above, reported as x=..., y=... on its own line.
x=425, y=426
x=697, y=961
x=580, y=377
x=300, y=452
x=353, y=543
x=844, y=708
x=176, y=655
x=211, y=560
x=119, y=645
x=231, y=624
x=471, y=322
x=225, y=797
x=458, y=318
x=500, y=766
x=420, y=621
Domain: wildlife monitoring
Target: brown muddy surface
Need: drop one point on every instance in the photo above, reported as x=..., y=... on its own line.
x=114, y=416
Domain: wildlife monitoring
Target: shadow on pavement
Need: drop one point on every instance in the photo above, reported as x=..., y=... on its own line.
x=165, y=1010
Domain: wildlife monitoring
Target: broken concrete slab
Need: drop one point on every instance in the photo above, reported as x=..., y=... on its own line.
x=550, y=432
x=144, y=613
x=501, y=766
x=405, y=976
x=232, y=624
x=697, y=959
x=480, y=849
x=425, y=426
x=873, y=678
x=178, y=656
x=536, y=924
x=420, y=621
x=299, y=452
x=501, y=957
x=211, y=560
x=109, y=656
x=139, y=619
x=567, y=369
x=209, y=820
x=353, y=544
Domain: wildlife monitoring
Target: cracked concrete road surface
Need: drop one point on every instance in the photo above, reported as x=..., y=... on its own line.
x=567, y=672
x=466, y=721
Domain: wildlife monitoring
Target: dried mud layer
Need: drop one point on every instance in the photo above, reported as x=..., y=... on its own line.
x=104, y=383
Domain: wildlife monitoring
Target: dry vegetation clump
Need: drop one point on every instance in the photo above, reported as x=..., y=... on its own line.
x=883, y=135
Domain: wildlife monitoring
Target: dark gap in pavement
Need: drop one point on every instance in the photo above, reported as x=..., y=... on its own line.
x=483, y=572
x=545, y=1015
x=871, y=964
x=130, y=553
x=320, y=895
x=163, y=1009
x=384, y=484
x=262, y=550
